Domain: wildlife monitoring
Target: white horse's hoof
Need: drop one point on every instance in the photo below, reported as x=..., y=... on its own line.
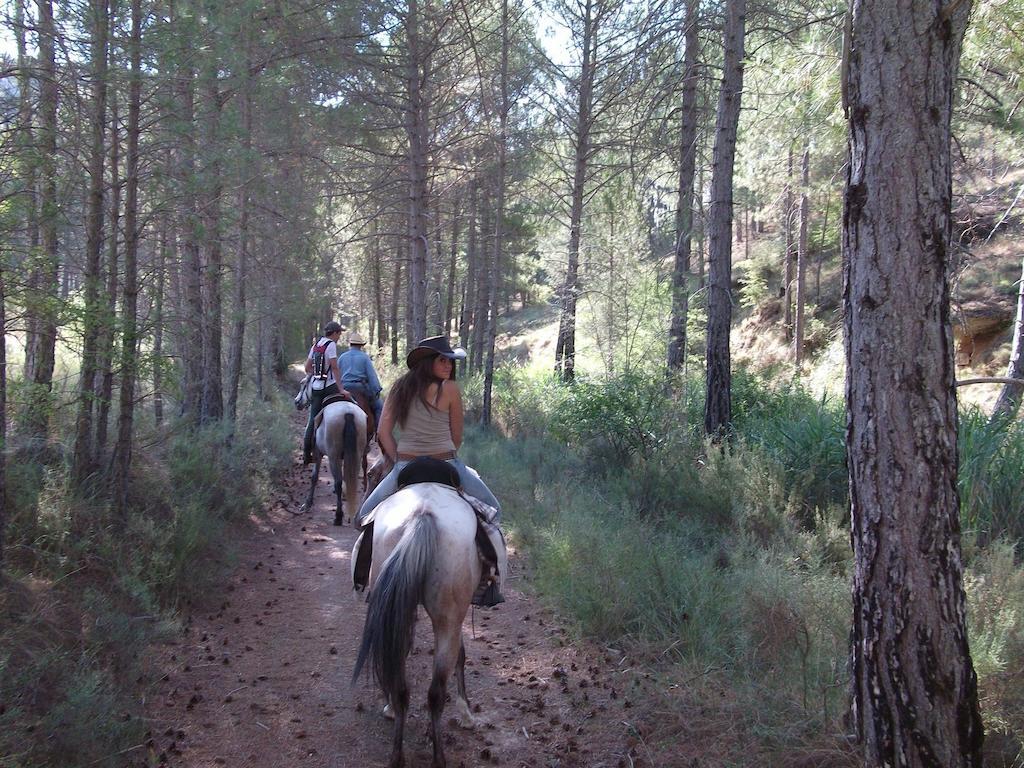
x=466, y=719
x=388, y=714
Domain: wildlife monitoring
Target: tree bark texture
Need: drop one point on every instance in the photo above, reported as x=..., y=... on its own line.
x=787, y=256
x=83, y=461
x=684, y=209
x=718, y=402
x=47, y=281
x=129, y=308
x=239, y=311
x=108, y=324
x=210, y=216
x=914, y=687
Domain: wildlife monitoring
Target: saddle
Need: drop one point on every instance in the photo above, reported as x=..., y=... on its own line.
x=329, y=400
x=428, y=470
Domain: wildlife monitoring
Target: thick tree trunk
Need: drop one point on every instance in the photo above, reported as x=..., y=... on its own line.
x=3, y=414
x=129, y=308
x=47, y=280
x=1009, y=399
x=684, y=209
x=914, y=687
x=565, y=350
x=718, y=403
x=83, y=461
x=801, y=257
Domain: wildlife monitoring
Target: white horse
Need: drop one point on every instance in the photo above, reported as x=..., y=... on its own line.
x=340, y=435
x=424, y=553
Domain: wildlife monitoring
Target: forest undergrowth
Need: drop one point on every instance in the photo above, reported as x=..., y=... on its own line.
x=89, y=589
x=725, y=572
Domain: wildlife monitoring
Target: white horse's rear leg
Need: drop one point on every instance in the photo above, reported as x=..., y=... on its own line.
x=465, y=716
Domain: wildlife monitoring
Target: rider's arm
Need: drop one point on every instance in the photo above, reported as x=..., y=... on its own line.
x=385, y=430
x=455, y=415
x=309, y=362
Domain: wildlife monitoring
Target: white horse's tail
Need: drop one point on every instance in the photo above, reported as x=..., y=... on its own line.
x=351, y=463
x=391, y=615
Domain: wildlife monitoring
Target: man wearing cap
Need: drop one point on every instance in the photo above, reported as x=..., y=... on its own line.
x=359, y=375
x=322, y=366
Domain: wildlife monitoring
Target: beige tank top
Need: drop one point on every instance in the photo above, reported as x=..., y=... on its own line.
x=427, y=431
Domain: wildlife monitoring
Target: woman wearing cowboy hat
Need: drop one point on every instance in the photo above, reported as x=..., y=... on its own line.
x=426, y=405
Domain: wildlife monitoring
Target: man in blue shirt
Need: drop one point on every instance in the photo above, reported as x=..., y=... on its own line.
x=358, y=374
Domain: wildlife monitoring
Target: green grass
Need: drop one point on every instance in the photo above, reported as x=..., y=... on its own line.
x=731, y=564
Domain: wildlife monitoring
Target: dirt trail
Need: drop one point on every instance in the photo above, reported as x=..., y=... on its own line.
x=260, y=675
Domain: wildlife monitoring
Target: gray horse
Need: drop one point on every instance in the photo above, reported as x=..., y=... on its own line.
x=340, y=435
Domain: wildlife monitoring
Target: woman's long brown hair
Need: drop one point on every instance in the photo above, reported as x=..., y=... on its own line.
x=413, y=385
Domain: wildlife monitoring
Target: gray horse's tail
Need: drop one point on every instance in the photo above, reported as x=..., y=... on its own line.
x=350, y=462
x=391, y=614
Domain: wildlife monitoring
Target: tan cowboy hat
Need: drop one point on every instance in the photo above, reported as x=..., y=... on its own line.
x=435, y=345
x=355, y=340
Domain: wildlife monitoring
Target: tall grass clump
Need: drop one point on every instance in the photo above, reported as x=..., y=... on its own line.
x=991, y=481
x=89, y=588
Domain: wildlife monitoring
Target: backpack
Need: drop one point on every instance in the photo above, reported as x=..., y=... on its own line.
x=320, y=366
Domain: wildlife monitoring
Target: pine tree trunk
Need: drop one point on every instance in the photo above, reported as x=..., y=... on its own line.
x=718, y=403
x=3, y=414
x=449, y=309
x=239, y=311
x=565, y=351
x=83, y=461
x=417, y=133
x=105, y=374
x=499, y=220
x=467, y=320
x=914, y=687
x=129, y=307
x=213, y=185
x=482, y=308
x=801, y=257
x=158, y=323
x=378, y=288
x=191, y=312
x=787, y=256
x=684, y=209
x=28, y=172
x=396, y=289
x=47, y=281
